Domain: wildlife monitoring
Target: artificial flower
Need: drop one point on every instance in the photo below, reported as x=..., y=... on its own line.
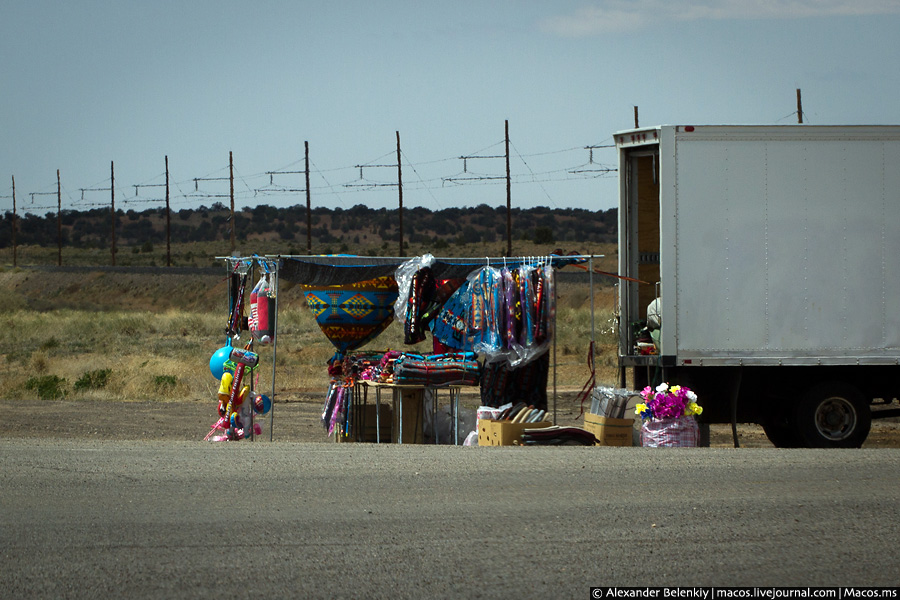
x=667, y=402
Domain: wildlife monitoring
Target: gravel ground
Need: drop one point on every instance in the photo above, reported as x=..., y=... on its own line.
x=293, y=422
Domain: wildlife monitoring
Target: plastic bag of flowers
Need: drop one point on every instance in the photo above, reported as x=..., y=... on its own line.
x=667, y=417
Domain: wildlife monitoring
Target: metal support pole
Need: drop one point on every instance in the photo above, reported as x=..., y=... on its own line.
x=231, y=194
x=508, y=195
x=274, y=356
x=591, y=284
x=58, y=219
x=168, y=220
x=15, y=248
x=553, y=312
x=308, y=202
x=400, y=194
x=112, y=209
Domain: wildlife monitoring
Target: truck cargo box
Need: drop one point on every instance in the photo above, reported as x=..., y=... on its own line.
x=766, y=246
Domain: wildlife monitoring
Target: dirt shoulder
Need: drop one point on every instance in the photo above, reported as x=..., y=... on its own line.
x=291, y=422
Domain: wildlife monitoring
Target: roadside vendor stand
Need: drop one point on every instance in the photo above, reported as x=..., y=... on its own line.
x=354, y=299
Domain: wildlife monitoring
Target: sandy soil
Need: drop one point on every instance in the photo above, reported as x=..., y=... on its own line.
x=292, y=421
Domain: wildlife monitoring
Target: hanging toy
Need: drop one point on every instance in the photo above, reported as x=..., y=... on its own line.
x=244, y=357
x=260, y=403
x=236, y=318
x=225, y=386
x=217, y=361
x=265, y=311
x=254, y=308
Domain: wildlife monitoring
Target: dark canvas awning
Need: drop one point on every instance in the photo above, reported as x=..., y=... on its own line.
x=320, y=271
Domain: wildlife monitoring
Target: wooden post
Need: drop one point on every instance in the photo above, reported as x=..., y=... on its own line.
x=168, y=219
x=400, y=192
x=799, y=108
x=508, y=193
x=231, y=181
x=308, y=209
x=58, y=219
x=112, y=209
x=15, y=249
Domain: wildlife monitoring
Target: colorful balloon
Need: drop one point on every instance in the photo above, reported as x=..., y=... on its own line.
x=217, y=361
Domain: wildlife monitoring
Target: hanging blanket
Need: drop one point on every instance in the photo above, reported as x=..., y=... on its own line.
x=353, y=314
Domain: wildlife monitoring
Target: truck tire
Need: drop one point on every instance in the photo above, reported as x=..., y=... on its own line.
x=781, y=434
x=833, y=415
x=778, y=421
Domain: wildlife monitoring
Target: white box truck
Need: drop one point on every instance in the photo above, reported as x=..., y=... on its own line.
x=771, y=258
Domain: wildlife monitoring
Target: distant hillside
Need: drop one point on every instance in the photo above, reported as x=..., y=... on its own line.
x=198, y=234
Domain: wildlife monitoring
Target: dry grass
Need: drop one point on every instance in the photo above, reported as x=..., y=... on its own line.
x=154, y=352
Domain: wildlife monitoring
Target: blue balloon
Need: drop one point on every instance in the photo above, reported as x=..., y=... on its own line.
x=217, y=361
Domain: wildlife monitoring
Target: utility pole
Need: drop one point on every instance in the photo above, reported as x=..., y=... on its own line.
x=112, y=208
x=799, y=108
x=15, y=248
x=231, y=193
x=308, y=203
x=168, y=219
x=400, y=192
x=305, y=172
x=58, y=220
x=508, y=194
x=636, y=117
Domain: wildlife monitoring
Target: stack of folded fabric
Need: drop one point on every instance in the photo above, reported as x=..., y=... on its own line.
x=386, y=368
x=460, y=368
x=366, y=365
x=558, y=436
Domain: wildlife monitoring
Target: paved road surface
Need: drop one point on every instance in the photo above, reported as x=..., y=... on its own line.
x=97, y=519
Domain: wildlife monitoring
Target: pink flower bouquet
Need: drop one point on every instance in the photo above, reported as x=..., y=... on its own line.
x=667, y=403
x=667, y=415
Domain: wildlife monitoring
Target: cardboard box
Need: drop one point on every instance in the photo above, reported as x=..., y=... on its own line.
x=504, y=433
x=610, y=432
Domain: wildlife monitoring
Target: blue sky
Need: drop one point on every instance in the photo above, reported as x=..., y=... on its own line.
x=88, y=82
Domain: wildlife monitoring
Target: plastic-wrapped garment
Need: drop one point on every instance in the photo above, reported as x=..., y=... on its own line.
x=546, y=307
x=526, y=303
x=421, y=293
x=511, y=323
x=340, y=410
x=533, y=315
x=330, y=403
x=682, y=432
x=403, y=275
x=485, y=314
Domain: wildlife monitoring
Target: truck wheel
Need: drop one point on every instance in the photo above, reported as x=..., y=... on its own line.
x=778, y=422
x=781, y=434
x=833, y=415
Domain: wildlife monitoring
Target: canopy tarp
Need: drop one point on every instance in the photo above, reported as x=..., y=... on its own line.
x=342, y=269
